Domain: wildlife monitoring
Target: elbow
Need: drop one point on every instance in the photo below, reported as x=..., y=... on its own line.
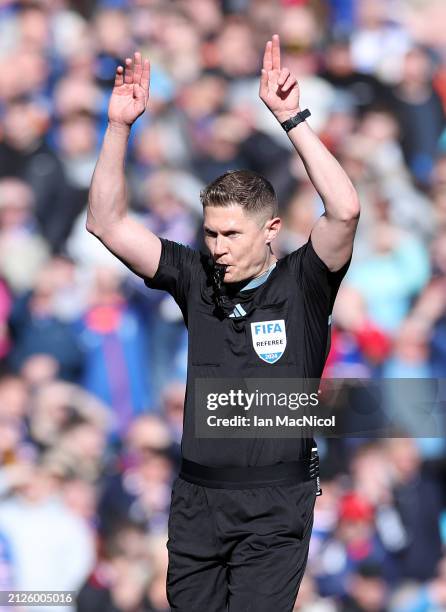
x=352, y=210
x=91, y=227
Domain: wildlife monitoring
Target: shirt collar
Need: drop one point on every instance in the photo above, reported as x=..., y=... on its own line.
x=259, y=280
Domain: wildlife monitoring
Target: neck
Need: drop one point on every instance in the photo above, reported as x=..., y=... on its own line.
x=415, y=92
x=271, y=259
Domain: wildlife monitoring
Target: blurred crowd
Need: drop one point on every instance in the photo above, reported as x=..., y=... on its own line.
x=93, y=363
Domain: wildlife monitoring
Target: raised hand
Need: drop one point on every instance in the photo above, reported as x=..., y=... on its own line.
x=279, y=89
x=131, y=91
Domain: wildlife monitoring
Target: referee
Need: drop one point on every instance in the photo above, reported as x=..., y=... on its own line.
x=242, y=509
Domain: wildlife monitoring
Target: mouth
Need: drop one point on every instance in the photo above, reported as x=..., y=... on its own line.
x=218, y=274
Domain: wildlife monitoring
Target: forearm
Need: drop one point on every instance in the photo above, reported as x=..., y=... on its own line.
x=107, y=201
x=329, y=179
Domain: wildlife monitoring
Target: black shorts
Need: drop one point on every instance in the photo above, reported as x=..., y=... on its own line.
x=238, y=549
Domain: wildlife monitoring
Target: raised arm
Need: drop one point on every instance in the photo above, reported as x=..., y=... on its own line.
x=333, y=234
x=108, y=218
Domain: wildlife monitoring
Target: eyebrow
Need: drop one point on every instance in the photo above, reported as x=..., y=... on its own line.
x=225, y=232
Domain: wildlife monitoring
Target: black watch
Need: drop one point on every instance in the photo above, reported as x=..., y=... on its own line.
x=293, y=121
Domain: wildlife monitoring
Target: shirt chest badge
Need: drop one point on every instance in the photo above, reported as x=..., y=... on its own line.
x=269, y=339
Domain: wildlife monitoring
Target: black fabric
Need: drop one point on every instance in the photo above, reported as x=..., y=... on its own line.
x=366, y=90
x=92, y=598
x=243, y=549
x=300, y=290
x=417, y=501
x=291, y=472
x=238, y=550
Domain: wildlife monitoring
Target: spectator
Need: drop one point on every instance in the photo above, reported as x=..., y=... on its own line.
x=118, y=581
x=57, y=405
x=37, y=328
x=25, y=154
x=365, y=90
x=140, y=490
x=420, y=113
x=116, y=360
x=51, y=548
x=23, y=250
x=367, y=590
x=417, y=498
x=396, y=270
x=379, y=40
x=77, y=139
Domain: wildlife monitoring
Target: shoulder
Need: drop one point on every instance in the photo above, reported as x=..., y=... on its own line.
x=179, y=267
x=301, y=257
x=305, y=261
x=176, y=254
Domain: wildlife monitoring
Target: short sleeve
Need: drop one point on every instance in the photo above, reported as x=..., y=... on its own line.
x=316, y=279
x=175, y=271
x=319, y=288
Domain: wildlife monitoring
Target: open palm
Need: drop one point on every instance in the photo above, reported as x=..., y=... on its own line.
x=279, y=89
x=130, y=93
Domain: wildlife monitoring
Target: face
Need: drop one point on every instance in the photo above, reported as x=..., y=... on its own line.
x=239, y=240
x=417, y=66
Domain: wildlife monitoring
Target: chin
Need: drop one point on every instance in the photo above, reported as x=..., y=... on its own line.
x=234, y=278
x=229, y=277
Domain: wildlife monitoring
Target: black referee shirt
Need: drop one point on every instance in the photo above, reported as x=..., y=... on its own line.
x=300, y=292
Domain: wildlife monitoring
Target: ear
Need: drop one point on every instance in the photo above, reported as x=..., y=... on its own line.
x=272, y=228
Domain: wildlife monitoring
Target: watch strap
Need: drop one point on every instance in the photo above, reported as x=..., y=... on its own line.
x=289, y=124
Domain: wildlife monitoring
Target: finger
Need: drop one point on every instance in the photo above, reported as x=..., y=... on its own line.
x=137, y=67
x=119, y=76
x=284, y=74
x=128, y=76
x=263, y=82
x=145, y=76
x=276, y=52
x=268, y=56
x=289, y=83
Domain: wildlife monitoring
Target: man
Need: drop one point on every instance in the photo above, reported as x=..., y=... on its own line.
x=242, y=509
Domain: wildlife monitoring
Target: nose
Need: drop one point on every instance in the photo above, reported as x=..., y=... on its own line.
x=220, y=247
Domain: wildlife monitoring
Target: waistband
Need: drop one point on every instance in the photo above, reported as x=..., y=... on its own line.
x=249, y=477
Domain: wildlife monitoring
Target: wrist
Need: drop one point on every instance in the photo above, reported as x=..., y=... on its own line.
x=295, y=120
x=122, y=129
x=285, y=115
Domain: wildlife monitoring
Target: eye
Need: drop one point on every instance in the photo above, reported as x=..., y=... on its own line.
x=210, y=233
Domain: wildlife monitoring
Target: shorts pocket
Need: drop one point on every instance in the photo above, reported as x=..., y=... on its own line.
x=304, y=501
x=298, y=503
